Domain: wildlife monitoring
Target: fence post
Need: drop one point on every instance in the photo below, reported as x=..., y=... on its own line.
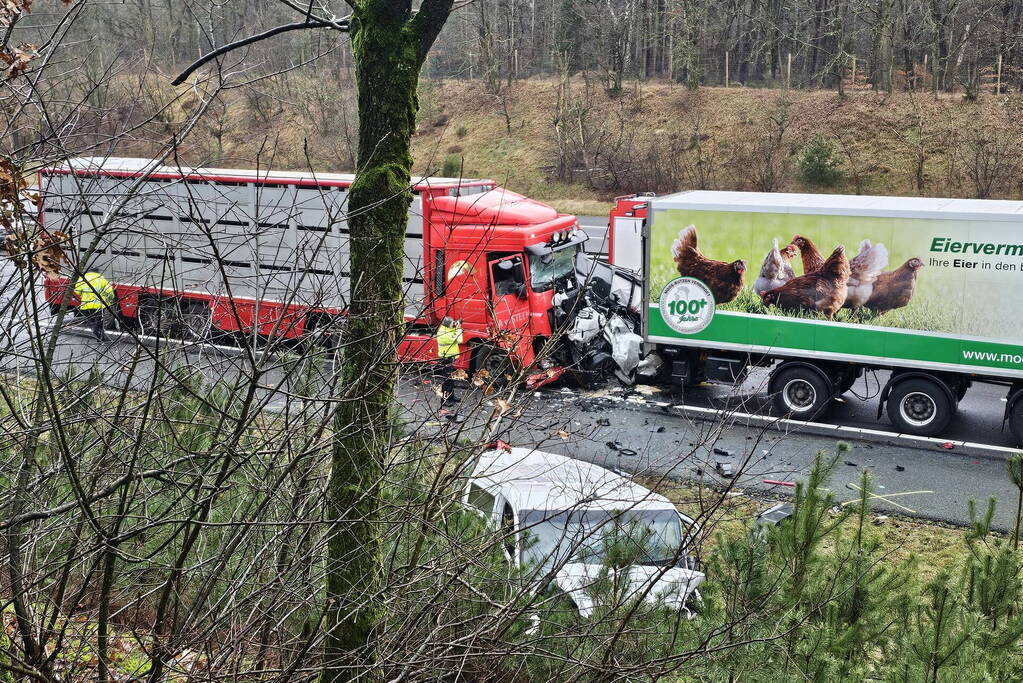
x=726, y=68
x=788, y=73
x=853, y=82
x=998, y=86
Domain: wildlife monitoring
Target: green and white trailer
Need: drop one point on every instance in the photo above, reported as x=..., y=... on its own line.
x=938, y=303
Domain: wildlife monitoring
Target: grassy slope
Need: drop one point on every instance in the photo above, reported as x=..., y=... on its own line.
x=878, y=136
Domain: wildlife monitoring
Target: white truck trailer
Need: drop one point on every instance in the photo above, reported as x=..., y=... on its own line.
x=823, y=287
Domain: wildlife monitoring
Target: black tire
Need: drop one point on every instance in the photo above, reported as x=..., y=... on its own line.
x=847, y=383
x=1016, y=422
x=495, y=363
x=801, y=393
x=920, y=407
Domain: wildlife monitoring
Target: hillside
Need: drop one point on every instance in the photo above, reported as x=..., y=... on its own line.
x=568, y=143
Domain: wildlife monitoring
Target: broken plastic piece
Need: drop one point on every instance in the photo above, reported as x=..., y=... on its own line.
x=725, y=469
x=723, y=451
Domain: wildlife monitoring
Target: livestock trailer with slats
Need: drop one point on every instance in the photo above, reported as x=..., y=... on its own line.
x=266, y=252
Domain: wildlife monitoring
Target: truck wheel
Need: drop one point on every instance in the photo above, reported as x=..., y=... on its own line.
x=1016, y=422
x=919, y=406
x=493, y=365
x=801, y=393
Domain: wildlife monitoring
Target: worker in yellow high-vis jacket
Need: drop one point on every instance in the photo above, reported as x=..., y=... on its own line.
x=449, y=341
x=96, y=300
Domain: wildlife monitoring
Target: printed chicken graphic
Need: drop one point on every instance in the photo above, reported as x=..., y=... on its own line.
x=864, y=269
x=776, y=270
x=725, y=280
x=894, y=288
x=811, y=256
x=823, y=291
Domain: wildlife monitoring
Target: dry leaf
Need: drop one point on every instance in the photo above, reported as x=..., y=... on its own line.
x=480, y=377
x=563, y=434
x=48, y=254
x=17, y=59
x=459, y=374
x=503, y=406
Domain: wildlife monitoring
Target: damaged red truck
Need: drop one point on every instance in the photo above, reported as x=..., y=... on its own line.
x=203, y=252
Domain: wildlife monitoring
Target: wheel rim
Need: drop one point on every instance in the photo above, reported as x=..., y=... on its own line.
x=918, y=409
x=799, y=395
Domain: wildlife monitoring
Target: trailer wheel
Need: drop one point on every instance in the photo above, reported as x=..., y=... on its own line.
x=801, y=393
x=919, y=406
x=847, y=383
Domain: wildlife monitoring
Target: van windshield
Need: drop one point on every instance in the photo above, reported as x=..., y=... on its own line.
x=651, y=537
x=545, y=269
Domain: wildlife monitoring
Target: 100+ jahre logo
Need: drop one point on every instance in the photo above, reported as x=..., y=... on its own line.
x=687, y=305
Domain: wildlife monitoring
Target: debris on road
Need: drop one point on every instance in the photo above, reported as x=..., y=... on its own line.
x=774, y=482
x=900, y=468
x=724, y=452
x=725, y=469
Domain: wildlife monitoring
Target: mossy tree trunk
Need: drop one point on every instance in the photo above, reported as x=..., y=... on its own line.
x=389, y=44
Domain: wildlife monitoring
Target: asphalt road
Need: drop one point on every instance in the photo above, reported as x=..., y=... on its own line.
x=931, y=483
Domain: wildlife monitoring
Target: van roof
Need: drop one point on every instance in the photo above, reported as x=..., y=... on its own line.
x=843, y=205
x=132, y=166
x=537, y=480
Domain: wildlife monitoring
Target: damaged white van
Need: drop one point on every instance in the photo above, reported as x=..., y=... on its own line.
x=560, y=516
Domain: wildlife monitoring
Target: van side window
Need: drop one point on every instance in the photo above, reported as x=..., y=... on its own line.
x=481, y=500
x=508, y=529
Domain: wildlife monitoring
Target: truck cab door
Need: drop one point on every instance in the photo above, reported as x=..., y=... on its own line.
x=509, y=294
x=627, y=243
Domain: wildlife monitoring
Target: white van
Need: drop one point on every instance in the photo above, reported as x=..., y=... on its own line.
x=558, y=515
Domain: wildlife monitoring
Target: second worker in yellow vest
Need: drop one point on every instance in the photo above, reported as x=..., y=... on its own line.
x=449, y=340
x=96, y=299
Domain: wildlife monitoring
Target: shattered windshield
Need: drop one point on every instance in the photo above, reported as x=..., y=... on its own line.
x=545, y=269
x=649, y=537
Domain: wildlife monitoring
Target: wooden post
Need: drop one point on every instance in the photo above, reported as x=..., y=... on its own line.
x=788, y=73
x=998, y=84
x=516, y=62
x=853, y=82
x=726, y=68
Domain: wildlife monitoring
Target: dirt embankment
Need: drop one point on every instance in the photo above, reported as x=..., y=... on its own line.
x=570, y=144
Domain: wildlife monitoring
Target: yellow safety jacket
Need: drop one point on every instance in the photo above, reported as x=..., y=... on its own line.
x=93, y=292
x=448, y=339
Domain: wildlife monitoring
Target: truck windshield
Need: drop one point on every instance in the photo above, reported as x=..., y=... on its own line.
x=650, y=537
x=545, y=269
